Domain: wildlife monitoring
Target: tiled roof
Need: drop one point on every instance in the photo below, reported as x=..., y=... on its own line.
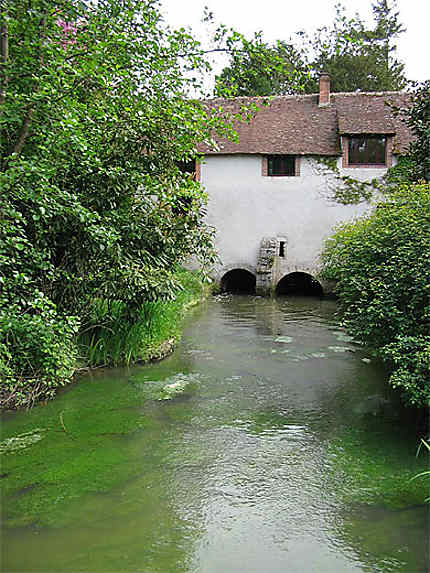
x=296, y=125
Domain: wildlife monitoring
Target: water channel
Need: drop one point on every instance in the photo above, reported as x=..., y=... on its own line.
x=286, y=452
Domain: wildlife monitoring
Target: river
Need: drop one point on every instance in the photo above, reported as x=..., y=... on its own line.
x=286, y=452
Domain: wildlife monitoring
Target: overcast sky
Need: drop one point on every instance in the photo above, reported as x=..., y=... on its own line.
x=280, y=19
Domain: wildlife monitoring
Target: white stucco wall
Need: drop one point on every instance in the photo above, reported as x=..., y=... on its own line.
x=245, y=206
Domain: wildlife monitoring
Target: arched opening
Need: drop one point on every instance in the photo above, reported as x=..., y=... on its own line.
x=301, y=284
x=238, y=281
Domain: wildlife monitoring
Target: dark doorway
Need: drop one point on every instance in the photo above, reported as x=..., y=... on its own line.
x=238, y=281
x=299, y=284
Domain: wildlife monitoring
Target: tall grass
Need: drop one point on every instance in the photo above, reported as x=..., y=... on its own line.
x=112, y=337
x=427, y=472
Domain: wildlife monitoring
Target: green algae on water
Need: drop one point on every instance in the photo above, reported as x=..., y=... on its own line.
x=368, y=471
x=284, y=339
x=89, y=453
x=21, y=441
x=167, y=389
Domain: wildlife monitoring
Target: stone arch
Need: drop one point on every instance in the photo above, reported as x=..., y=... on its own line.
x=222, y=271
x=299, y=283
x=238, y=279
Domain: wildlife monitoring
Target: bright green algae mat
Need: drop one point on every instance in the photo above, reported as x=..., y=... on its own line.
x=110, y=475
x=89, y=443
x=103, y=446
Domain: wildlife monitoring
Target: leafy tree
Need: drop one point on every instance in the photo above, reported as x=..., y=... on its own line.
x=415, y=167
x=381, y=263
x=259, y=69
x=95, y=116
x=358, y=58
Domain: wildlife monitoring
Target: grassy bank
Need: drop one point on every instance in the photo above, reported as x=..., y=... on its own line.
x=113, y=335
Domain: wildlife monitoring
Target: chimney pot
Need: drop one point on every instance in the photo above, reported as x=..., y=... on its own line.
x=324, y=98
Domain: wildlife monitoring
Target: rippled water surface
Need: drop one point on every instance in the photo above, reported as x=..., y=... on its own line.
x=268, y=442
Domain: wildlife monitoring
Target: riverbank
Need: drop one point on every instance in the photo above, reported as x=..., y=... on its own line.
x=114, y=337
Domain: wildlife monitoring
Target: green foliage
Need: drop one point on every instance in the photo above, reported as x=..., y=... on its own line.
x=401, y=173
x=417, y=118
x=410, y=356
x=329, y=162
x=259, y=69
x=95, y=116
x=382, y=267
x=356, y=57
x=345, y=189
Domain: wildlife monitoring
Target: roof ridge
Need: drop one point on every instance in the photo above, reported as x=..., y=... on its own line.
x=295, y=96
x=382, y=93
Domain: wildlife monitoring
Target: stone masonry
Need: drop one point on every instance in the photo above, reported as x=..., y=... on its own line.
x=265, y=265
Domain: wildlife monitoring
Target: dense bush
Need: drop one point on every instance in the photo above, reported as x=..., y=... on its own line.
x=382, y=267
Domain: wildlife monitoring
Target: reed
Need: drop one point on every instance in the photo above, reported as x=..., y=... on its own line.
x=427, y=472
x=113, y=337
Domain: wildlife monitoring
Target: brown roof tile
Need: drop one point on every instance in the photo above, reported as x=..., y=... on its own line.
x=296, y=125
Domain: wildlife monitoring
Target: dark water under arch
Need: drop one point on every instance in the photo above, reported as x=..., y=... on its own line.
x=238, y=281
x=299, y=284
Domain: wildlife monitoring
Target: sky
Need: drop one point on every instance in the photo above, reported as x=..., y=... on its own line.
x=280, y=19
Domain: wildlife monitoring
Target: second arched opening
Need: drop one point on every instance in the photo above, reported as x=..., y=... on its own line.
x=299, y=284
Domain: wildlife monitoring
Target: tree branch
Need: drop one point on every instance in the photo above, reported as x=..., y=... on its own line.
x=25, y=129
x=4, y=50
x=4, y=58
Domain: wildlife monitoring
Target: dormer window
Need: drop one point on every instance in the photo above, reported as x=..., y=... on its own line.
x=366, y=151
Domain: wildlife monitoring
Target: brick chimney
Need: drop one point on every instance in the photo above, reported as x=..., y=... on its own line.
x=324, y=98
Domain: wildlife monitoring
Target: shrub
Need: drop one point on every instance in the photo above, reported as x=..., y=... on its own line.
x=381, y=263
x=37, y=351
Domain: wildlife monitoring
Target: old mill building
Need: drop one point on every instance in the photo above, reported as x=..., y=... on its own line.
x=270, y=193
